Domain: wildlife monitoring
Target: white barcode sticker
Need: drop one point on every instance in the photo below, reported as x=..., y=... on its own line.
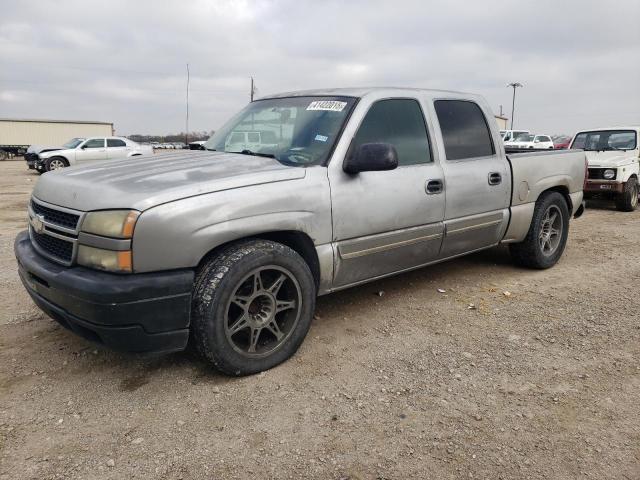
x=330, y=105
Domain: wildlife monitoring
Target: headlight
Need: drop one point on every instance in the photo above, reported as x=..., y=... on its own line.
x=609, y=174
x=109, y=260
x=111, y=223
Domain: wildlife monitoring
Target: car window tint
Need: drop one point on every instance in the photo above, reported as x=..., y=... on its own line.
x=115, y=142
x=464, y=129
x=400, y=123
x=95, y=143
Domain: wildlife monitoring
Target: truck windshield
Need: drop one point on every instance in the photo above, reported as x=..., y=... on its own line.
x=73, y=143
x=297, y=131
x=606, y=140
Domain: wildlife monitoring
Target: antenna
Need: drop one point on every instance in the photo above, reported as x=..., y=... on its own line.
x=186, y=133
x=253, y=89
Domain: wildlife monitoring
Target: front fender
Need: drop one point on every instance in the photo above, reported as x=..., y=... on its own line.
x=179, y=234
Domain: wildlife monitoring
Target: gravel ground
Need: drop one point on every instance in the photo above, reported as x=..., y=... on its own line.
x=507, y=374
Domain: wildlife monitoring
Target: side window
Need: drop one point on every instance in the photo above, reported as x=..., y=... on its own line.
x=115, y=142
x=253, y=137
x=399, y=122
x=95, y=143
x=237, y=137
x=464, y=129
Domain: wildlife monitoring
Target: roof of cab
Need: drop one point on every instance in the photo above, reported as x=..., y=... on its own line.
x=360, y=92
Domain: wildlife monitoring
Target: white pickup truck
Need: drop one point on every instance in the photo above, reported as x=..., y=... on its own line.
x=231, y=247
x=614, y=164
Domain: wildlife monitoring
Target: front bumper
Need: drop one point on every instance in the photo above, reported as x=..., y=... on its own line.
x=601, y=186
x=145, y=312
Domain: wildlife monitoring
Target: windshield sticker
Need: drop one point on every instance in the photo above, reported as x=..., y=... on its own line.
x=321, y=138
x=329, y=105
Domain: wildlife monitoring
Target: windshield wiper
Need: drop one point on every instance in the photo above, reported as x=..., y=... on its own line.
x=256, y=154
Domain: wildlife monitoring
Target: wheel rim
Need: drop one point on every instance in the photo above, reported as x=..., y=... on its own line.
x=56, y=164
x=263, y=311
x=550, y=231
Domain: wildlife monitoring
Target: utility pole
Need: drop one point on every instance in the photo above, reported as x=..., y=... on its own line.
x=253, y=89
x=186, y=133
x=514, y=85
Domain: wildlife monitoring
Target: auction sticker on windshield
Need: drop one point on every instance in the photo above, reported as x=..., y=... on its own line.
x=330, y=105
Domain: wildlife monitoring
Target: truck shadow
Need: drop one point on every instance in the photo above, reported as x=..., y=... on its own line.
x=132, y=372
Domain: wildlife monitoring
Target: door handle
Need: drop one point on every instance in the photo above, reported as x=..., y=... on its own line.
x=434, y=186
x=495, y=178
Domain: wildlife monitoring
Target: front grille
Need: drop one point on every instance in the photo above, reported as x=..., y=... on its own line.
x=598, y=173
x=56, y=247
x=56, y=217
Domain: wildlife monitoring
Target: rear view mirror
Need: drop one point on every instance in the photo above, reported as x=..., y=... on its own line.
x=371, y=157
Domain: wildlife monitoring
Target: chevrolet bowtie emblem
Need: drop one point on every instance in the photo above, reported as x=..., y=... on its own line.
x=37, y=223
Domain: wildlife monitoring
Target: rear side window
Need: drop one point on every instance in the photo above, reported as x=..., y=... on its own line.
x=115, y=142
x=464, y=129
x=400, y=122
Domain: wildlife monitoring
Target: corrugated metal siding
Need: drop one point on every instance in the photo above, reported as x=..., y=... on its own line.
x=48, y=133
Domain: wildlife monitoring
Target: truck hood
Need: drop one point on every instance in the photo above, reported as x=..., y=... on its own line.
x=610, y=159
x=144, y=182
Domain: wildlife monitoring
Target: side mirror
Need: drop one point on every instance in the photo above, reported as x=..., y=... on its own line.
x=371, y=157
x=83, y=146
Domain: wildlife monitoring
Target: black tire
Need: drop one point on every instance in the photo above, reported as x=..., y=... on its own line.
x=530, y=253
x=627, y=201
x=53, y=162
x=216, y=287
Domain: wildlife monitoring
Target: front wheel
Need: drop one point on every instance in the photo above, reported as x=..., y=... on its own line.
x=252, y=306
x=547, y=236
x=627, y=201
x=55, y=163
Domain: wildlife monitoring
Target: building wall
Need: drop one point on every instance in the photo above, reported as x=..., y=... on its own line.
x=54, y=133
x=502, y=122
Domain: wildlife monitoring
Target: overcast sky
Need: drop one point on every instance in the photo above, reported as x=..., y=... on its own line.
x=124, y=61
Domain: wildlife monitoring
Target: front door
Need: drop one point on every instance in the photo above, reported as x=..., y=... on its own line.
x=93, y=149
x=389, y=221
x=478, y=179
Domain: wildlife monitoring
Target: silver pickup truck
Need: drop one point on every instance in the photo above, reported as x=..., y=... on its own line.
x=299, y=195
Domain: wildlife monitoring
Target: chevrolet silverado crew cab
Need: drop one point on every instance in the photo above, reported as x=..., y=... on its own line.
x=228, y=249
x=614, y=162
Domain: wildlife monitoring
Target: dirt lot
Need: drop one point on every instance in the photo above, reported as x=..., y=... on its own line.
x=541, y=380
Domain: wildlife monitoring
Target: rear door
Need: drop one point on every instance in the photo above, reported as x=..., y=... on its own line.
x=92, y=150
x=478, y=178
x=117, y=148
x=388, y=221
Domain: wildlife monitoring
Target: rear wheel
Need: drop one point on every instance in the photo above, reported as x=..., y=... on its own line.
x=547, y=236
x=627, y=201
x=55, y=163
x=252, y=307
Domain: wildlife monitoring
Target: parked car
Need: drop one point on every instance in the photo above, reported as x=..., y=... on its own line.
x=91, y=150
x=613, y=155
x=231, y=249
x=31, y=157
x=179, y=145
x=511, y=135
x=530, y=141
x=561, y=142
x=197, y=145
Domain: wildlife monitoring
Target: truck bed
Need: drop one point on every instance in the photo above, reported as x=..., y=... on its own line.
x=535, y=172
